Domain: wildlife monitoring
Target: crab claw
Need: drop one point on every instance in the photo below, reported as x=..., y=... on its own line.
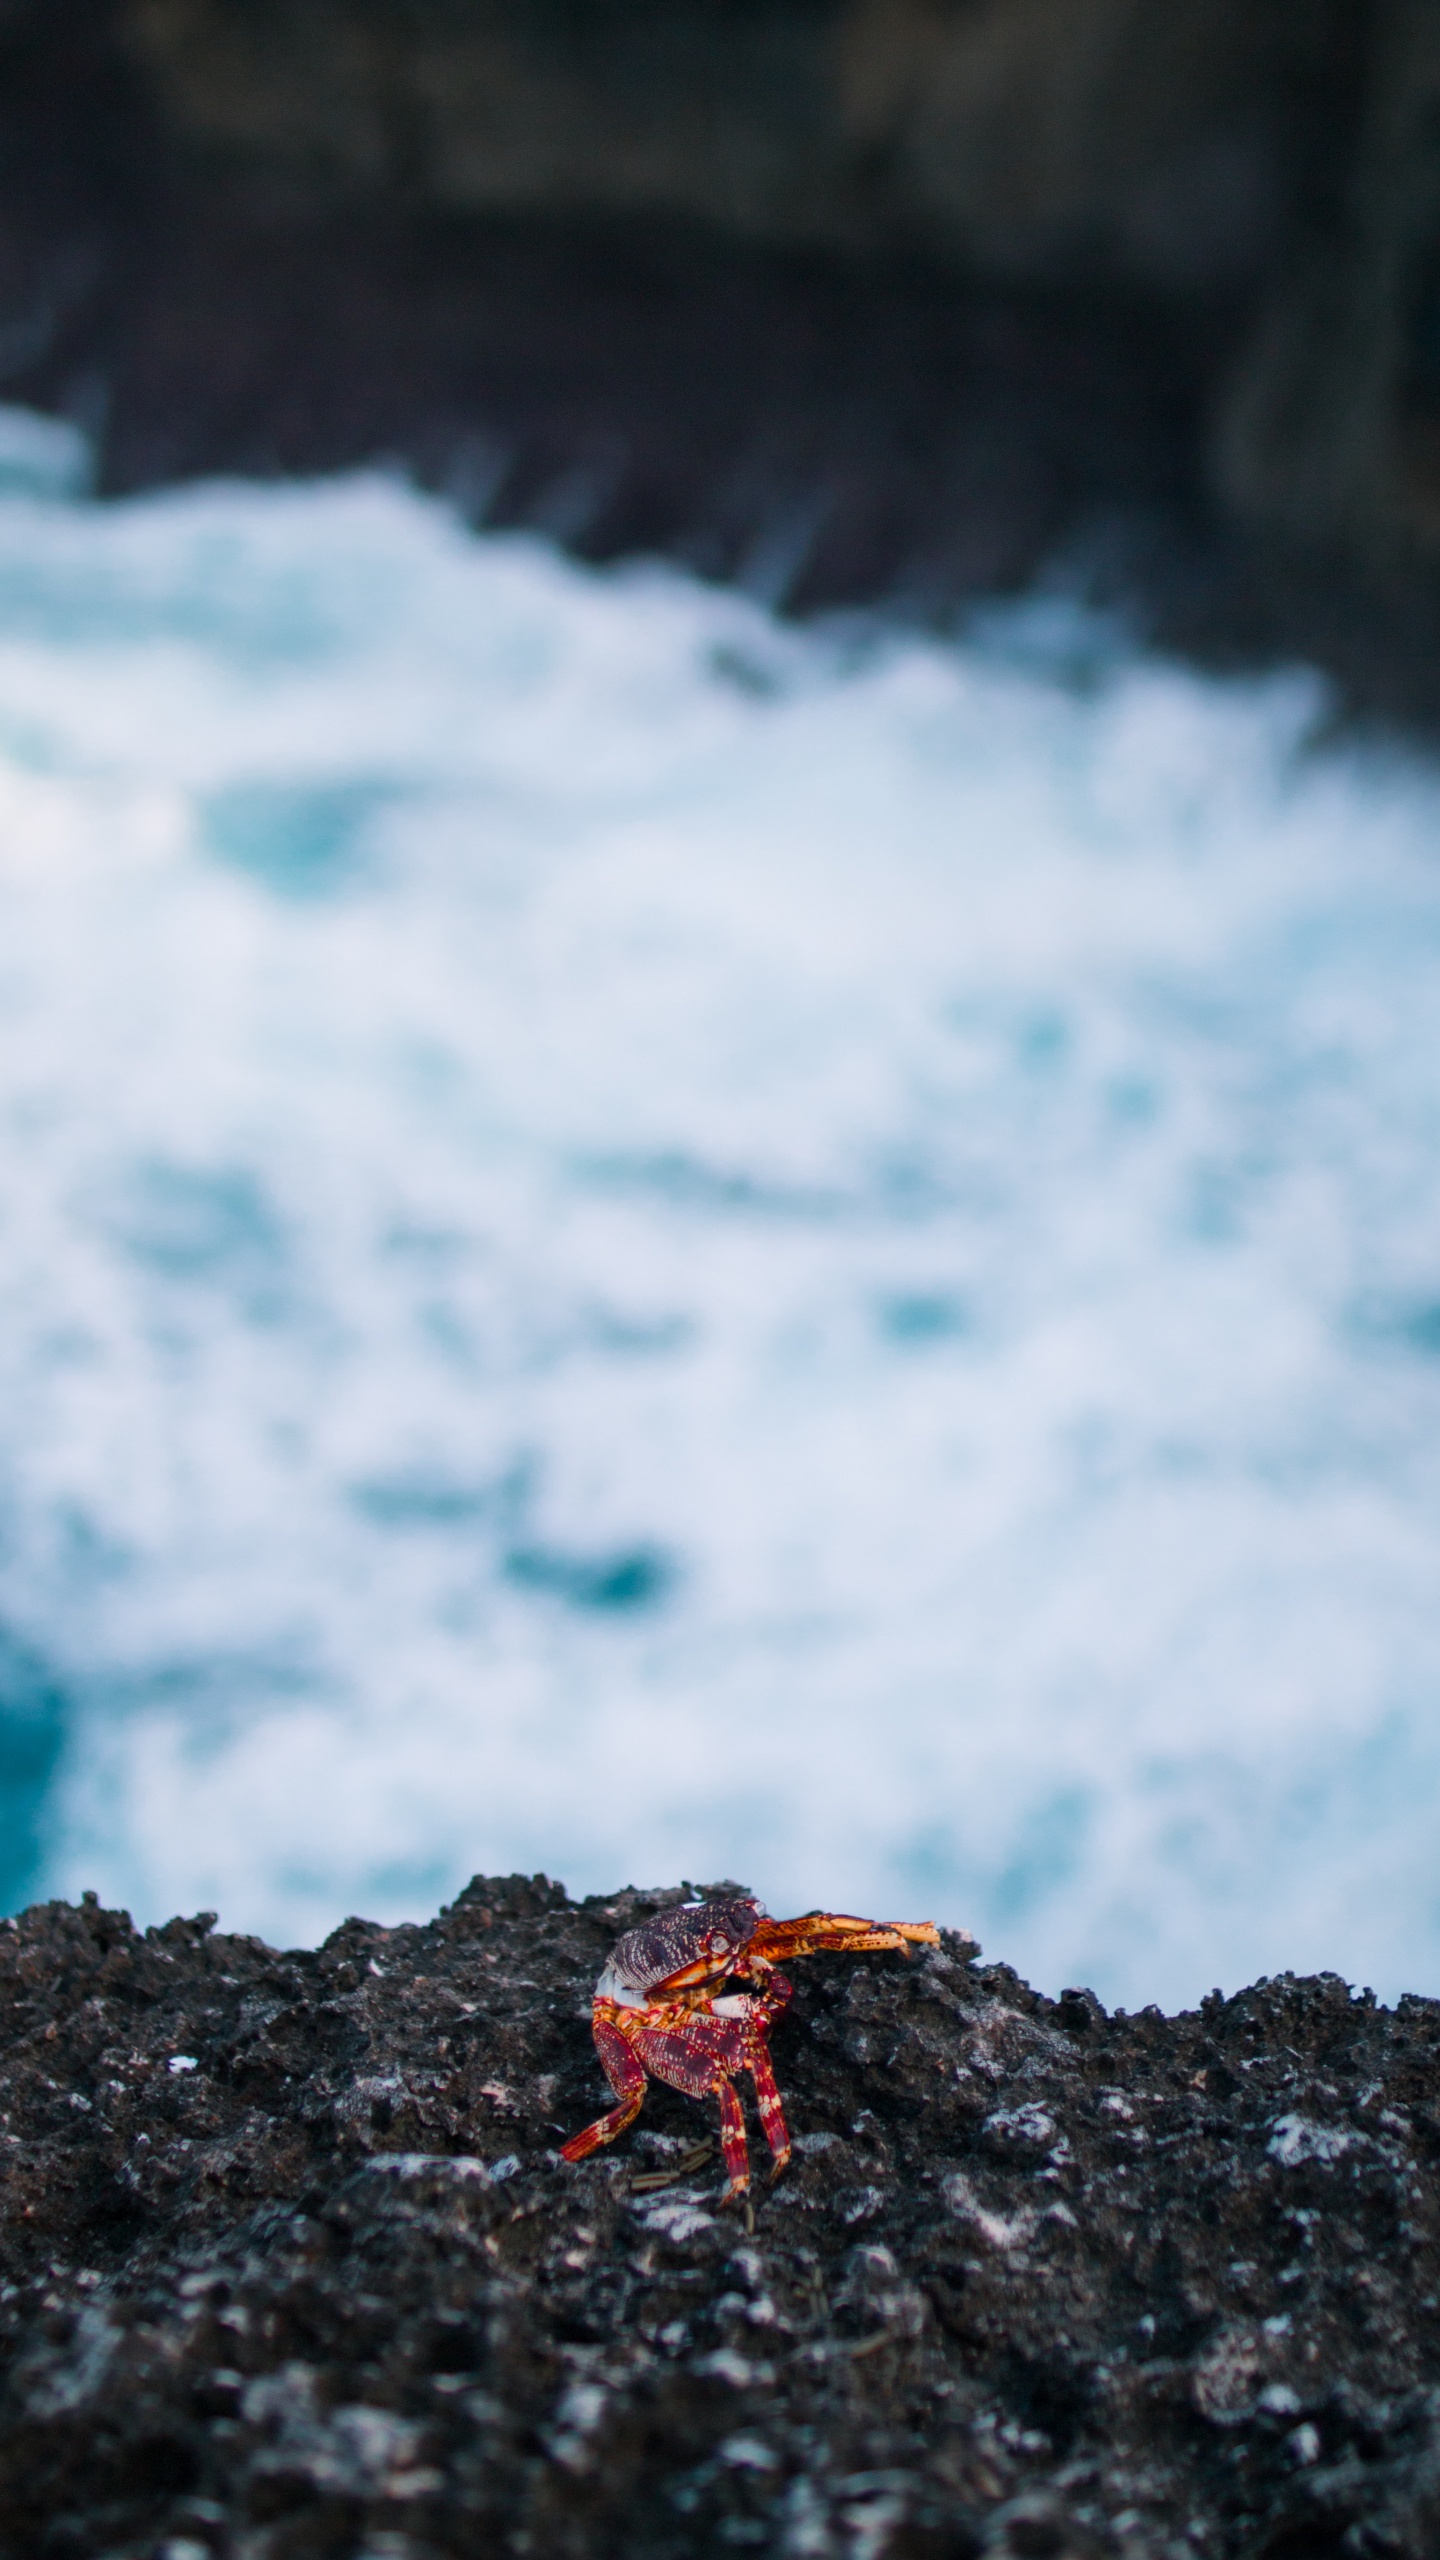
x=831, y=1932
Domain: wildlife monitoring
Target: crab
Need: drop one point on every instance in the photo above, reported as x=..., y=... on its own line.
x=665, y=2009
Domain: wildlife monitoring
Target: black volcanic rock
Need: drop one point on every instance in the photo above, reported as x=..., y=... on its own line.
x=890, y=303
x=825, y=422
x=292, y=2267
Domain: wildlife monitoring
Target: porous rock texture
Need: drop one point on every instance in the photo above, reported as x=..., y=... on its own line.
x=293, y=2270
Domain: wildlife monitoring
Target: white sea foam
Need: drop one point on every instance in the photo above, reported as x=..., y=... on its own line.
x=632, y=1243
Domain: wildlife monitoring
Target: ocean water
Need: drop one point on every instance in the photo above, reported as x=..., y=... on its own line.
x=642, y=1244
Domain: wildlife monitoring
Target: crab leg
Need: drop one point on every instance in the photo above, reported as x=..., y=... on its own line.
x=772, y=2113
x=627, y=2078
x=822, y=1932
x=699, y=2057
x=732, y=2137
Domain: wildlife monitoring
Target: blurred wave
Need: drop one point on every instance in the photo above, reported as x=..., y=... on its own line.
x=636, y=1242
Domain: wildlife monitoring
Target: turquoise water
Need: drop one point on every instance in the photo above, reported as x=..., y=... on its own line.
x=643, y=1244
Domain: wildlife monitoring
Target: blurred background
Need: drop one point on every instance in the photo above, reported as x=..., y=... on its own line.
x=719, y=964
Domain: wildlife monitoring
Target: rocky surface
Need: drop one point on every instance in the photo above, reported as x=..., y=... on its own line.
x=1161, y=138
x=825, y=426
x=882, y=302
x=291, y=2266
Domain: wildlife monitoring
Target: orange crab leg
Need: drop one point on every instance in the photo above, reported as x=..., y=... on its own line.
x=835, y=1932
x=732, y=2137
x=772, y=2114
x=627, y=2078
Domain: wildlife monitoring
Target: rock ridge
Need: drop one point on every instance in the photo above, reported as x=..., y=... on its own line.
x=291, y=2266
x=892, y=303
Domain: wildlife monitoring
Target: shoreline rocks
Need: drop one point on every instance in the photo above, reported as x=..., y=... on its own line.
x=883, y=303
x=291, y=2266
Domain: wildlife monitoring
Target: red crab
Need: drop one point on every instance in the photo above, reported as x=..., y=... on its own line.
x=663, y=2009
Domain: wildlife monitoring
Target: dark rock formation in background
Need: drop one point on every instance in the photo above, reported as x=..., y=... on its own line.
x=856, y=300
x=292, y=2270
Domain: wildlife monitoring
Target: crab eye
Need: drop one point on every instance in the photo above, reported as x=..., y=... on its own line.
x=719, y=1945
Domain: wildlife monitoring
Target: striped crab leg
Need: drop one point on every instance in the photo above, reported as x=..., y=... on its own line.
x=834, y=1933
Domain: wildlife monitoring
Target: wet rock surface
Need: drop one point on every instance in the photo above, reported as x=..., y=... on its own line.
x=291, y=2267
x=825, y=427
x=869, y=304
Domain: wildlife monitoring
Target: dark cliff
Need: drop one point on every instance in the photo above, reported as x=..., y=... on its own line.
x=292, y=2270
x=856, y=299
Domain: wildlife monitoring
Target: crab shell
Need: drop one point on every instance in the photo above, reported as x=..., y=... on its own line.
x=694, y=1934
